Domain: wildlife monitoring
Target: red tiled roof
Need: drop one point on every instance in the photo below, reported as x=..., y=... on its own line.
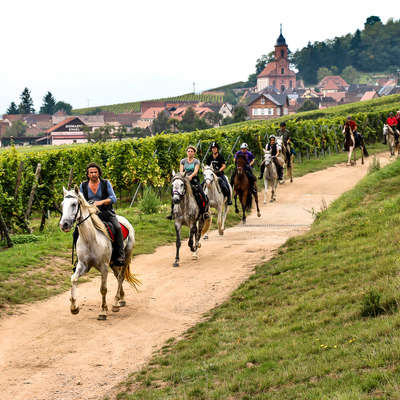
x=337, y=95
x=269, y=68
x=330, y=85
x=63, y=122
x=152, y=112
x=368, y=95
x=336, y=79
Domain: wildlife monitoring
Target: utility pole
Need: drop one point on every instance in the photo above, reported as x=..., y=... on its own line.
x=194, y=88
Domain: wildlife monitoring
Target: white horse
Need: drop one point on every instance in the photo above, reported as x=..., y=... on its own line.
x=94, y=249
x=187, y=212
x=391, y=140
x=216, y=197
x=287, y=157
x=270, y=176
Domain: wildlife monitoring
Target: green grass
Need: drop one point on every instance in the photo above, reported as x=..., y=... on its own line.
x=295, y=329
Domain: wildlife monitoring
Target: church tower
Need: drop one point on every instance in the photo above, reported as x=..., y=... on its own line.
x=277, y=74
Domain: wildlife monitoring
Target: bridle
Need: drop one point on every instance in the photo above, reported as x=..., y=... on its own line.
x=79, y=220
x=175, y=192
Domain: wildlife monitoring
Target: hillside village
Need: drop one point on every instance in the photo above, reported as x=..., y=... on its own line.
x=277, y=92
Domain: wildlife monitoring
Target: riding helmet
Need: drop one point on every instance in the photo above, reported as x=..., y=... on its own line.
x=272, y=136
x=244, y=146
x=283, y=123
x=214, y=144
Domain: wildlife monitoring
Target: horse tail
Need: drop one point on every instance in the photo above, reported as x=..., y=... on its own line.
x=206, y=226
x=130, y=277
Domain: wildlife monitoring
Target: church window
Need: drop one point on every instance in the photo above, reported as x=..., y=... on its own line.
x=282, y=53
x=282, y=71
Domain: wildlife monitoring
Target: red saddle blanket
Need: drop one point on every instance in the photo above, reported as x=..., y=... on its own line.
x=124, y=229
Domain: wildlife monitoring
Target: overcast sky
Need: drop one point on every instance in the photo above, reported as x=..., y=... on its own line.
x=95, y=52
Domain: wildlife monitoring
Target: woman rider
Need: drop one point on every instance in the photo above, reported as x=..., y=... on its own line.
x=275, y=150
x=191, y=166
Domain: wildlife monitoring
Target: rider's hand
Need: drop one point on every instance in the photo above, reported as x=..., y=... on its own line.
x=190, y=177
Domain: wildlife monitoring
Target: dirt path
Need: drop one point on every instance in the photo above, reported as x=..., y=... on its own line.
x=48, y=354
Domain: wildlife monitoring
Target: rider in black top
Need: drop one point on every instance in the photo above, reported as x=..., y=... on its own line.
x=273, y=147
x=217, y=162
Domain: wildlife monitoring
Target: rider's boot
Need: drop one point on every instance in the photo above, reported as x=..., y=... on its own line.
x=118, y=244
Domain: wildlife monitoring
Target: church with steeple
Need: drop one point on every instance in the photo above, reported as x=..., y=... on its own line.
x=277, y=74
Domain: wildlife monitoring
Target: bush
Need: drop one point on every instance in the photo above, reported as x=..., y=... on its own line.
x=372, y=304
x=150, y=203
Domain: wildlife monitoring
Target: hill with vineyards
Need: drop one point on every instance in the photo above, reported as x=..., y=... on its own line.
x=150, y=160
x=136, y=106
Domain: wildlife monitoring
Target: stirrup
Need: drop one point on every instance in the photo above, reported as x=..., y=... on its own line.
x=206, y=215
x=169, y=217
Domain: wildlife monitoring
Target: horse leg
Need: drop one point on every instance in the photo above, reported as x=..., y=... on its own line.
x=256, y=199
x=224, y=214
x=119, y=274
x=265, y=189
x=349, y=155
x=79, y=271
x=236, y=207
x=197, y=235
x=178, y=244
x=220, y=222
x=192, y=234
x=103, y=290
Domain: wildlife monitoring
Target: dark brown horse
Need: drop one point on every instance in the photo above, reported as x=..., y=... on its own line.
x=242, y=188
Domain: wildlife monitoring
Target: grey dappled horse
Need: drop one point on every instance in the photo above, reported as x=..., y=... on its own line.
x=270, y=176
x=215, y=196
x=94, y=249
x=186, y=212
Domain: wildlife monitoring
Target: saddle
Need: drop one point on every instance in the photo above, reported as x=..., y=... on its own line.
x=111, y=230
x=201, y=201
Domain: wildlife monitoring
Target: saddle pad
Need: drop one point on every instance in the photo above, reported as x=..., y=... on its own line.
x=124, y=229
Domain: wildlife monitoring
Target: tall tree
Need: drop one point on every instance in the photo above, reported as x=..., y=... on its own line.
x=63, y=106
x=17, y=129
x=26, y=105
x=239, y=114
x=161, y=122
x=49, y=104
x=13, y=109
x=372, y=20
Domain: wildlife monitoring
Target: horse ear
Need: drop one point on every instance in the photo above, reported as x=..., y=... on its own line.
x=76, y=189
x=65, y=191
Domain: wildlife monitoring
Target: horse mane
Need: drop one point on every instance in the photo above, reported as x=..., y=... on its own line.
x=241, y=157
x=93, y=211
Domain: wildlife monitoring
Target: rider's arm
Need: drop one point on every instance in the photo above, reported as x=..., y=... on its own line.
x=181, y=167
x=223, y=166
x=111, y=196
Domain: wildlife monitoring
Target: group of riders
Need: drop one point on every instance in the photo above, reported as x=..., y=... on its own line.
x=393, y=122
x=100, y=192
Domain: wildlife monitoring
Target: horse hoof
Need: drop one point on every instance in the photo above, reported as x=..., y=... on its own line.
x=265, y=202
x=258, y=214
x=195, y=256
x=221, y=233
x=175, y=264
x=205, y=237
x=198, y=245
x=115, y=308
x=102, y=317
x=291, y=180
x=75, y=311
x=122, y=303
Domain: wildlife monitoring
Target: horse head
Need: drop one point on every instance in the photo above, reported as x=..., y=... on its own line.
x=241, y=162
x=70, y=209
x=267, y=157
x=179, y=186
x=209, y=175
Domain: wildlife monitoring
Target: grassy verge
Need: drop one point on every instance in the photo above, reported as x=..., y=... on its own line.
x=318, y=321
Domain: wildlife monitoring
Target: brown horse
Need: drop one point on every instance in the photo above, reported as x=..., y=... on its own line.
x=353, y=142
x=242, y=188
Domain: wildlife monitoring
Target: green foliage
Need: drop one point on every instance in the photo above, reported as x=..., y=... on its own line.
x=323, y=72
x=308, y=105
x=374, y=166
x=49, y=104
x=150, y=203
x=374, y=49
x=13, y=109
x=63, y=106
x=350, y=74
x=136, y=106
x=371, y=304
x=17, y=129
x=26, y=105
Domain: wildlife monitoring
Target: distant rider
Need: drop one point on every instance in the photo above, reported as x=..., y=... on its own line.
x=217, y=162
x=249, y=157
x=190, y=166
x=393, y=123
x=275, y=150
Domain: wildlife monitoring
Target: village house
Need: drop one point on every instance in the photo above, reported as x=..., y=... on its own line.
x=267, y=105
x=277, y=73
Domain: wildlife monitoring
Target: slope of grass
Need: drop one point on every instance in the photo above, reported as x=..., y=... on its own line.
x=318, y=321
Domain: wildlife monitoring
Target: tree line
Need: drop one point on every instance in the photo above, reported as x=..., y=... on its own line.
x=376, y=48
x=49, y=106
